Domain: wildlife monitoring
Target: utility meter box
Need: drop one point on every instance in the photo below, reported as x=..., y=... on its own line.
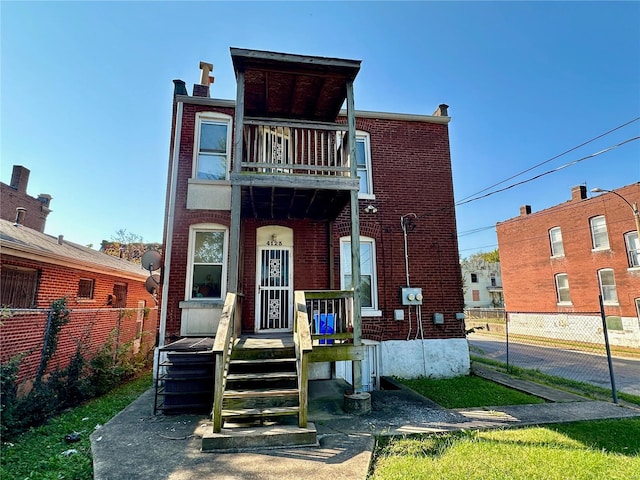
x=411, y=296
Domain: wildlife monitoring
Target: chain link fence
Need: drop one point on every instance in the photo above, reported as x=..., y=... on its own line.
x=571, y=346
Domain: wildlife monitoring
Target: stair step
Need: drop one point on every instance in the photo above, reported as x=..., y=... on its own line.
x=240, y=361
x=260, y=412
x=261, y=392
x=267, y=376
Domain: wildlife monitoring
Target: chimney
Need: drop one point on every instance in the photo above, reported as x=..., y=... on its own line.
x=45, y=199
x=179, y=87
x=525, y=210
x=202, y=89
x=579, y=192
x=441, y=111
x=20, y=178
x=20, y=214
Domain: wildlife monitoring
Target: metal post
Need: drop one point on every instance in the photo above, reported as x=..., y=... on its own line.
x=614, y=393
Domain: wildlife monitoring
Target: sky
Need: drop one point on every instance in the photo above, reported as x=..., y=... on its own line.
x=86, y=95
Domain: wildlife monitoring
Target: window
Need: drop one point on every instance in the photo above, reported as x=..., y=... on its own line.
x=19, y=287
x=562, y=288
x=599, y=233
x=475, y=295
x=276, y=148
x=212, y=146
x=633, y=248
x=607, y=286
x=555, y=237
x=207, y=262
x=85, y=288
x=474, y=278
x=120, y=295
x=493, y=280
x=368, y=280
x=363, y=163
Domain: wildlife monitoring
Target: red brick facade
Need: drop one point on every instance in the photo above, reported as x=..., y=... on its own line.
x=411, y=174
x=529, y=269
x=15, y=196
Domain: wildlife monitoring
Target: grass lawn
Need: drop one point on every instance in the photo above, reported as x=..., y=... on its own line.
x=604, y=449
x=39, y=453
x=468, y=391
x=594, y=450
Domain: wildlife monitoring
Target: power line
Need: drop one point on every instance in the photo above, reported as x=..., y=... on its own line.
x=561, y=167
x=554, y=157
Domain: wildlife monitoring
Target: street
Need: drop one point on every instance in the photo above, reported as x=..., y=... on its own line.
x=573, y=365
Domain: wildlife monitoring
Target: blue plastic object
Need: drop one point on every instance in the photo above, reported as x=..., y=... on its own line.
x=325, y=324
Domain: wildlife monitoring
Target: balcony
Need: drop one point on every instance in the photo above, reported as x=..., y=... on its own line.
x=294, y=161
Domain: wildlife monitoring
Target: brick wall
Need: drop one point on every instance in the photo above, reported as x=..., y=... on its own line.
x=22, y=332
x=411, y=174
x=15, y=195
x=528, y=270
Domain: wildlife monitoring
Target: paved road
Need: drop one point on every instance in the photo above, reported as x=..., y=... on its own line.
x=568, y=364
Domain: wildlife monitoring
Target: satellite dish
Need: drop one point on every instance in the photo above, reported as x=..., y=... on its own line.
x=151, y=260
x=152, y=284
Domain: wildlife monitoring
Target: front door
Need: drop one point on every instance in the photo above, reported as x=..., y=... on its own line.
x=274, y=289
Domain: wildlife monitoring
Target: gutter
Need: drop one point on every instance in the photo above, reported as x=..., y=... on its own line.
x=170, y=219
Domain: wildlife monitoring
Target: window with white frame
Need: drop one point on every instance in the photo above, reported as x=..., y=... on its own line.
x=212, y=146
x=207, y=262
x=85, y=288
x=368, y=277
x=562, y=288
x=607, y=286
x=633, y=248
x=599, y=234
x=555, y=238
x=363, y=164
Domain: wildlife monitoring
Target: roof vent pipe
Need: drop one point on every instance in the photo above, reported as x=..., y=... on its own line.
x=60, y=239
x=20, y=214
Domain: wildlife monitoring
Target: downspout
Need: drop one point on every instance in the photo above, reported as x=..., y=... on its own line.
x=170, y=221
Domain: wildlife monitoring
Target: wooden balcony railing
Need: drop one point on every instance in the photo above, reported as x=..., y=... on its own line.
x=330, y=315
x=295, y=148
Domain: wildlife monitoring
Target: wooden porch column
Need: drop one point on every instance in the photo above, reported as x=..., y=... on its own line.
x=355, y=240
x=234, y=230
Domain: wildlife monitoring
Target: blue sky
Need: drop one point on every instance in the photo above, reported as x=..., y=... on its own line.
x=86, y=91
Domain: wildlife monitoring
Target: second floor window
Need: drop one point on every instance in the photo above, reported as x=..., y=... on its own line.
x=212, y=147
x=363, y=162
x=555, y=237
x=562, y=288
x=607, y=286
x=633, y=248
x=599, y=234
x=474, y=278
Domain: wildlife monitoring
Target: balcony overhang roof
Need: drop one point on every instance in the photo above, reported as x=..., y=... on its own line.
x=283, y=85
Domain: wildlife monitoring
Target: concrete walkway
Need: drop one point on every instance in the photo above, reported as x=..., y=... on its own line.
x=137, y=445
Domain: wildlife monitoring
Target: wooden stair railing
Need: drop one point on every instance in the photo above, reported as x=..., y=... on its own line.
x=303, y=347
x=222, y=347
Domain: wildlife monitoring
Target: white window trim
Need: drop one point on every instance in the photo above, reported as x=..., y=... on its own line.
x=206, y=227
x=372, y=311
x=551, y=243
x=561, y=302
x=627, y=247
x=367, y=151
x=608, y=302
x=215, y=117
x=593, y=239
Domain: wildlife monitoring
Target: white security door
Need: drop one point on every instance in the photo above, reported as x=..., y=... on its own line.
x=274, y=299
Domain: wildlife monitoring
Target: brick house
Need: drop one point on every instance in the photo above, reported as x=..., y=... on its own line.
x=104, y=293
x=559, y=260
x=482, y=283
x=278, y=216
x=33, y=211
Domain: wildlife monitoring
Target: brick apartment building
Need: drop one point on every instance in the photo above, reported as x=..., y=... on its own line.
x=281, y=201
x=559, y=260
x=33, y=211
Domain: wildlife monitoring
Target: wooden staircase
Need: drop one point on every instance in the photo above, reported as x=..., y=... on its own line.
x=262, y=381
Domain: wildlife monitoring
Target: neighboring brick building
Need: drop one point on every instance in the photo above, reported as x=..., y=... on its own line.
x=294, y=207
x=559, y=260
x=32, y=212
x=106, y=295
